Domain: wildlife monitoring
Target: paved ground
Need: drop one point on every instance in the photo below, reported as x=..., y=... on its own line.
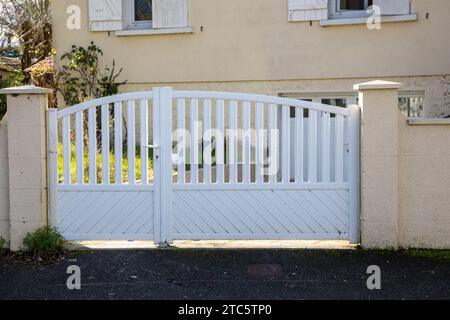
x=229, y=274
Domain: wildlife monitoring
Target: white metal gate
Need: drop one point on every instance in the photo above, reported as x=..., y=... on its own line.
x=168, y=165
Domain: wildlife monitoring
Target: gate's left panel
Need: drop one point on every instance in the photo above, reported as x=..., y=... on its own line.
x=102, y=184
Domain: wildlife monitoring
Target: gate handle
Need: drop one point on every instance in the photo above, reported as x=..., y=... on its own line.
x=152, y=146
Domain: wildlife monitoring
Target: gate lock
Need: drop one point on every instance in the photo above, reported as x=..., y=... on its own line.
x=156, y=148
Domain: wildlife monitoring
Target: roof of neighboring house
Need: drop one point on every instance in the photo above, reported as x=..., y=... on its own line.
x=44, y=66
x=9, y=64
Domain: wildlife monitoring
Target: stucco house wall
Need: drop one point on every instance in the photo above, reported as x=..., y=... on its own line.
x=250, y=46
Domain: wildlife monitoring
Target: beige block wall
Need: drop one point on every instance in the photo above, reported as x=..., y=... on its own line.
x=405, y=174
x=4, y=181
x=27, y=150
x=424, y=184
x=379, y=166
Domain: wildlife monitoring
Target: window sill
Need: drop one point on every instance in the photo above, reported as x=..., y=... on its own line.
x=353, y=21
x=428, y=121
x=150, y=32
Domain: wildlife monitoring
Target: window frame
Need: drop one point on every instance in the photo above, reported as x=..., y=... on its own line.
x=337, y=13
x=132, y=24
x=414, y=94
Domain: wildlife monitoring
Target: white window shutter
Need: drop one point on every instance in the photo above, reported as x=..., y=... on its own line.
x=170, y=14
x=393, y=7
x=307, y=10
x=105, y=15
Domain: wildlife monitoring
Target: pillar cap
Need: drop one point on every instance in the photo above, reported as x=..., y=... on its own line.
x=377, y=85
x=26, y=90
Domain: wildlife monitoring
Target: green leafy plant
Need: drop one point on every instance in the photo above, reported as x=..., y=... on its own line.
x=81, y=78
x=16, y=79
x=44, y=242
x=2, y=245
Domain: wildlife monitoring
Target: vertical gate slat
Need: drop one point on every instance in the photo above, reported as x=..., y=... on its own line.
x=66, y=149
x=131, y=151
x=246, y=142
x=233, y=143
x=354, y=126
x=299, y=145
x=194, y=141
x=339, y=167
x=326, y=147
x=207, y=141
x=92, y=125
x=105, y=145
x=181, y=160
x=285, y=149
x=312, y=146
x=79, y=146
x=259, y=173
x=53, y=165
x=144, y=141
x=220, y=145
x=273, y=144
x=118, y=142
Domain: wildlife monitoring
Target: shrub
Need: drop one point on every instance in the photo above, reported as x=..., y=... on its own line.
x=45, y=242
x=2, y=245
x=16, y=79
x=81, y=77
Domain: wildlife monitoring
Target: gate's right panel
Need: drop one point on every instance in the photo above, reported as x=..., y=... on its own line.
x=259, y=167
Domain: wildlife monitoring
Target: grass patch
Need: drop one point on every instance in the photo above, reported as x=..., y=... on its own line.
x=441, y=255
x=431, y=254
x=99, y=160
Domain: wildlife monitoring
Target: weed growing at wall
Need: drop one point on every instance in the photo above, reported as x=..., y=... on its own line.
x=44, y=242
x=2, y=246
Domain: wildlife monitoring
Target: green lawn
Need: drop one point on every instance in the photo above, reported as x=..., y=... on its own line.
x=73, y=165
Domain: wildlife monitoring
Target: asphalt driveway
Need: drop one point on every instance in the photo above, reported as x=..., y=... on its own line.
x=229, y=274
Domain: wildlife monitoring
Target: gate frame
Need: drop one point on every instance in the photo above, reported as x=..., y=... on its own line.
x=163, y=184
x=354, y=179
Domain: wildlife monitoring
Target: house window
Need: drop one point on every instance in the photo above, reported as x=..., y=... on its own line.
x=411, y=105
x=333, y=100
x=350, y=8
x=140, y=14
x=352, y=5
x=142, y=10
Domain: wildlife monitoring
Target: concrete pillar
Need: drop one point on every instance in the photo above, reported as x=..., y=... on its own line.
x=379, y=163
x=27, y=160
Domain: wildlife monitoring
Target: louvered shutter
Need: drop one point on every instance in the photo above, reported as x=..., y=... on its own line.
x=170, y=14
x=105, y=15
x=393, y=7
x=307, y=10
